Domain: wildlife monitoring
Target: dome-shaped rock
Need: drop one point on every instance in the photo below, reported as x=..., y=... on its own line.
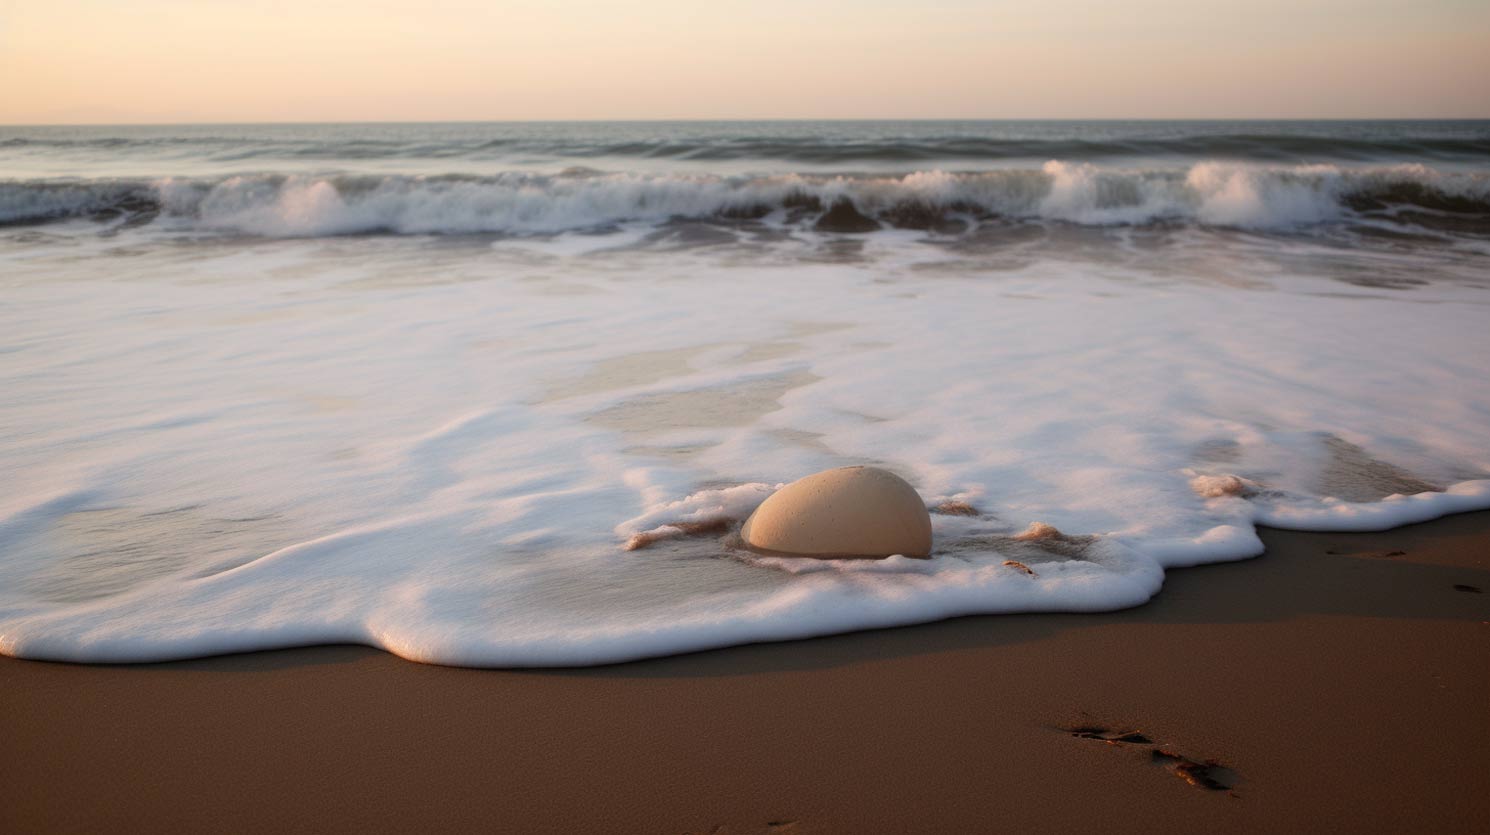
x=847, y=512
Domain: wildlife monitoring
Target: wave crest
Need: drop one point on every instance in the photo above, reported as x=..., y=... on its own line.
x=1206, y=194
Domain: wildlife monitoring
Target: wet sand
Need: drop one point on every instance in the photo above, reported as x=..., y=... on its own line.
x=1340, y=683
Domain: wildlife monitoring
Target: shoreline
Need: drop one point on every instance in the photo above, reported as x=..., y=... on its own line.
x=1338, y=681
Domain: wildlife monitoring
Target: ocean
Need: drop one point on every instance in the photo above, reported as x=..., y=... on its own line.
x=419, y=386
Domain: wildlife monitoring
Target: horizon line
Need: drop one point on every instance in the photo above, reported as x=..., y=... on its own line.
x=693, y=120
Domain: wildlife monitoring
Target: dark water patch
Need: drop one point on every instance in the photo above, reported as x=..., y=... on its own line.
x=108, y=551
x=845, y=217
x=996, y=236
x=1417, y=194
x=1475, y=224
x=1353, y=475
x=1378, y=280
x=837, y=251
x=929, y=217
x=1397, y=234
x=689, y=235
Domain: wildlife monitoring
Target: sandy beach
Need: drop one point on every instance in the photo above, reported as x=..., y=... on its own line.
x=1338, y=684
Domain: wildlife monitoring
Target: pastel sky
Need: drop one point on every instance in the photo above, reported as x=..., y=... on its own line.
x=118, y=61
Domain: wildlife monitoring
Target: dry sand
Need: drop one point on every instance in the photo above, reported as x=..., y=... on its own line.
x=1342, y=680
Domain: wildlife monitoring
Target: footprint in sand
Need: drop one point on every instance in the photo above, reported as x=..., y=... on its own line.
x=1110, y=737
x=1203, y=774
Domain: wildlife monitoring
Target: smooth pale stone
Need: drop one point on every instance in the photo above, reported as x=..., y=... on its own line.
x=847, y=512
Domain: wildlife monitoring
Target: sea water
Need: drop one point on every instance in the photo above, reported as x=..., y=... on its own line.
x=419, y=386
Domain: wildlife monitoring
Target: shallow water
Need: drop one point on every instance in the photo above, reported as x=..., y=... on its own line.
x=303, y=407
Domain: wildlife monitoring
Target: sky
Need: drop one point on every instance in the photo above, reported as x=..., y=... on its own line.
x=162, y=61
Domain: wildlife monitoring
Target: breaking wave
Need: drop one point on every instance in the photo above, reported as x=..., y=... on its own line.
x=1218, y=194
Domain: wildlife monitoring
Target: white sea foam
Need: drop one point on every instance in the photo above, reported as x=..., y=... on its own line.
x=442, y=447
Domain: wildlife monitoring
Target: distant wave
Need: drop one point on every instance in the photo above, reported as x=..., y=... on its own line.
x=1207, y=194
x=1251, y=146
